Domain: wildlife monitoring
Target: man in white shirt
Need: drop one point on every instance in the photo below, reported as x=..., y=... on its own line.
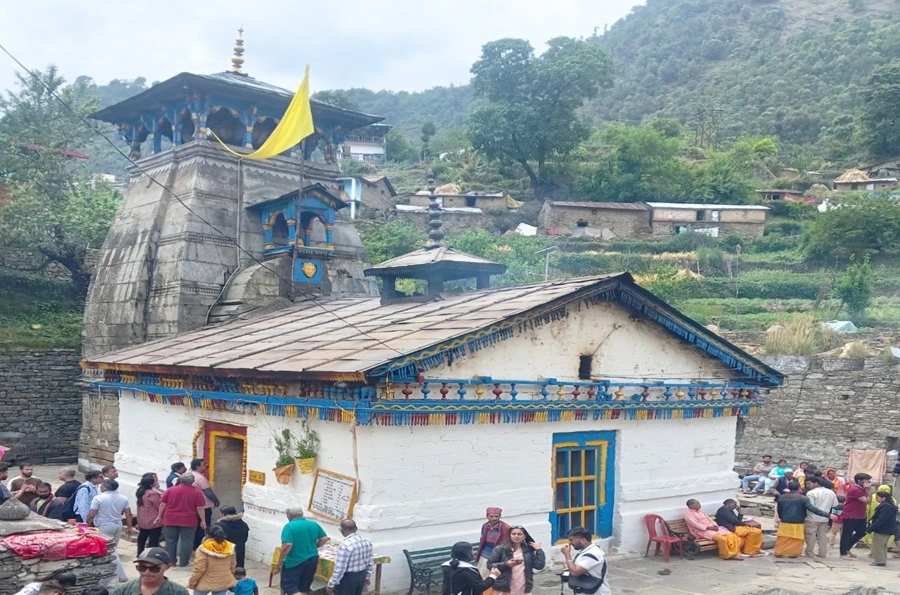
x=815, y=528
x=589, y=558
x=106, y=514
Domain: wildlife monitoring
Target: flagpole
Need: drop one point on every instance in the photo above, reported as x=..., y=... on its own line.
x=297, y=219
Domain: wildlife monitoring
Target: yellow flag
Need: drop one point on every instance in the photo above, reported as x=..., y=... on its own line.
x=295, y=125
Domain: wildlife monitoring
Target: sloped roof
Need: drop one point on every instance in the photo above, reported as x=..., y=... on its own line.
x=705, y=207
x=443, y=257
x=235, y=86
x=360, y=336
x=852, y=176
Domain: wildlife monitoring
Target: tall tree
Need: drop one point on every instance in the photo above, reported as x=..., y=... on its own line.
x=881, y=110
x=530, y=115
x=52, y=209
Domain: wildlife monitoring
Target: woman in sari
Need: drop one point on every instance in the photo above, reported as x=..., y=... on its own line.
x=840, y=483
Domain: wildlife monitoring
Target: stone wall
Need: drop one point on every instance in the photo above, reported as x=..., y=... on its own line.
x=40, y=403
x=826, y=407
x=92, y=571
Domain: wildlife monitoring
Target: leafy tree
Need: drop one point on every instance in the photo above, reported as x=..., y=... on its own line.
x=336, y=98
x=451, y=140
x=54, y=211
x=639, y=164
x=855, y=286
x=398, y=148
x=530, y=115
x=856, y=225
x=383, y=242
x=428, y=130
x=881, y=110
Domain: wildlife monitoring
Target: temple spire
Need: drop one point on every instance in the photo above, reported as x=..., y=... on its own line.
x=435, y=234
x=237, y=60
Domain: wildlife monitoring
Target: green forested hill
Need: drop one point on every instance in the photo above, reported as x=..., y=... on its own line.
x=792, y=68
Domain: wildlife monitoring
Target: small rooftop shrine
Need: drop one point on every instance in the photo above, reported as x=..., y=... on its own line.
x=241, y=110
x=436, y=264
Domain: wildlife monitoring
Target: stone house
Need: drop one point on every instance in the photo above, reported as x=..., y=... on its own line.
x=854, y=179
x=670, y=218
x=486, y=201
x=369, y=197
x=605, y=220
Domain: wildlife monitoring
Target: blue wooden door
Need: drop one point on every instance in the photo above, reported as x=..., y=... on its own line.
x=583, y=483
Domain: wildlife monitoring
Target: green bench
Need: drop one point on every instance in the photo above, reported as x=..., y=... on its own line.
x=425, y=568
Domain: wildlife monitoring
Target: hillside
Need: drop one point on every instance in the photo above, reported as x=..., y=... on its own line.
x=791, y=68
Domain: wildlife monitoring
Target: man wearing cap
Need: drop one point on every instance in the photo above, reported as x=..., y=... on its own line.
x=152, y=565
x=493, y=533
x=780, y=488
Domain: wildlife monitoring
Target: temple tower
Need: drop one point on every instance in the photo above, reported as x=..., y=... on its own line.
x=201, y=235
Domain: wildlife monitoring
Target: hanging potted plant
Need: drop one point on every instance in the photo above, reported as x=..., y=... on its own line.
x=284, y=464
x=307, y=448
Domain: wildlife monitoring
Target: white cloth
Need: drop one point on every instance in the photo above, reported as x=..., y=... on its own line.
x=593, y=560
x=823, y=499
x=30, y=589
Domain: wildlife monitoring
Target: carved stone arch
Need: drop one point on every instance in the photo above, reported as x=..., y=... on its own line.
x=262, y=130
x=227, y=125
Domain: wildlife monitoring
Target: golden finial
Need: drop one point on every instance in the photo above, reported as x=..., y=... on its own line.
x=238, y=60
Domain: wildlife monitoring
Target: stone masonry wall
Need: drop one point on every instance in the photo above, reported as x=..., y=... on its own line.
x=40, y=404
x=826, y=407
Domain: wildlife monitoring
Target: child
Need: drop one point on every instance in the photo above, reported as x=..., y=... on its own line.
x=244, y=586
x=882, y=527
x=836, y=525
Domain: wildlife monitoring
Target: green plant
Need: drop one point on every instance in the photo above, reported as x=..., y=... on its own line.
x=854, y=287
x=307, y=443
x=801, y=335
x=284, y=445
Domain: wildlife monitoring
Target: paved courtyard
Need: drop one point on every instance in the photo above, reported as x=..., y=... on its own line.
x=707, y=574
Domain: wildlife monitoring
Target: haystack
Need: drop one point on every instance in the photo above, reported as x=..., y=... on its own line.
x=448, y=189
x=818, y=191
x=852, y=176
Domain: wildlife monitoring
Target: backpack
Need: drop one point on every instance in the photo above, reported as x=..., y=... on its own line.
x=68, y=512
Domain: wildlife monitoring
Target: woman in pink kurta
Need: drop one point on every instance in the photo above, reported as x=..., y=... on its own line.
x=148, y=499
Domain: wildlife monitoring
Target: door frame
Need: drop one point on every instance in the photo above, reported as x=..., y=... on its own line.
x=213, y=430
x=605, y=441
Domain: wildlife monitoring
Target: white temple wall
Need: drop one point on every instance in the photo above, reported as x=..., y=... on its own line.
x=622, y=348
x=428, y=486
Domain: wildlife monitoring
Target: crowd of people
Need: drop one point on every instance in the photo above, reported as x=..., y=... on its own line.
x=813, y=509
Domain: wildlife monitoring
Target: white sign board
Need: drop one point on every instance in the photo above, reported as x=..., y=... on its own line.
x=333, y=495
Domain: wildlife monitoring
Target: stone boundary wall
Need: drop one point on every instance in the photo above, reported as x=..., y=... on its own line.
x=40, y=403
x=826, y=407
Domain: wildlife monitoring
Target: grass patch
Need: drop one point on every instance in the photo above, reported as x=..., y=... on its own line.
x=801, y=335
x=36, y=312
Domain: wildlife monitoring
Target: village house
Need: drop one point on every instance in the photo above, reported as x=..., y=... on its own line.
x=604, y=220
x=854, y=179
x=787, y=195
x=889, y=168
x=366, y=144
x=671, y=218
x=485, y=201
x=369, y=197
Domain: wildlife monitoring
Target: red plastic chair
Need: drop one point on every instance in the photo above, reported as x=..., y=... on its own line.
x=661, y=538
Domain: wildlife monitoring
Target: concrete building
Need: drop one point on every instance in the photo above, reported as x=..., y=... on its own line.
x=366, y=144
x=201, y=236
x=604, y=220
x=670, y=218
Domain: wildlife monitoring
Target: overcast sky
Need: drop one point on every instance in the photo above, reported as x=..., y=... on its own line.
x=379, y=44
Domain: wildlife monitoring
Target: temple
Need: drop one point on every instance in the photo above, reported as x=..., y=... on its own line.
x=585, y=401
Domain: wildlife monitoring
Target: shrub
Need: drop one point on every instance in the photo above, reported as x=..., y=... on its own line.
x=801, y=336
